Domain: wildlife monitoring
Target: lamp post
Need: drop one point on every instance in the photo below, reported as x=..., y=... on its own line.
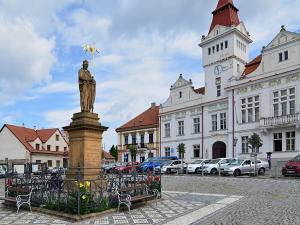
x=235, y=140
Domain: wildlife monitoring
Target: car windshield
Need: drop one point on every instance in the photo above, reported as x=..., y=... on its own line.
x=168, y=162
x=214, y=161
x=236, y=162
x=197, y=162
x=296, y=159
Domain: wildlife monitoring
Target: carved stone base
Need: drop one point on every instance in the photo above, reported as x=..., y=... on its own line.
x=85, y=138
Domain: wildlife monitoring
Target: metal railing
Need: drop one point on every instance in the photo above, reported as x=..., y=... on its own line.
x=280, y=120
x=75, y=194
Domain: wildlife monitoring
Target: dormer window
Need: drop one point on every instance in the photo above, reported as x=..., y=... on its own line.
x=283, y=56
x=37, y=146
x=180, y=94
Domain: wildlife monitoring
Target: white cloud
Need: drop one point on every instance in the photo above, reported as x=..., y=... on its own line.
x=26, y=59
x=57, y=87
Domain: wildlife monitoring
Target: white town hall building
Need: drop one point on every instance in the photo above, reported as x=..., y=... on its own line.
x=239, y=98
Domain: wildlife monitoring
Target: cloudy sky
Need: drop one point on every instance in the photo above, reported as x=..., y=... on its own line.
x=145, y=45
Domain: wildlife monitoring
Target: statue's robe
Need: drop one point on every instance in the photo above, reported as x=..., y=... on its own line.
x=86, y=88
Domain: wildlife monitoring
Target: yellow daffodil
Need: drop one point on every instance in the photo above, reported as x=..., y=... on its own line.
x=81, y=185
x=87, y=184
x=83, y=197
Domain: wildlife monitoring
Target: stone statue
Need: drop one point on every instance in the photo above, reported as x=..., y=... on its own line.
x=87, y=88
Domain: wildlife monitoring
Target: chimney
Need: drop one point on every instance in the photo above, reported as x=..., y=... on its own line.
x=153, y=104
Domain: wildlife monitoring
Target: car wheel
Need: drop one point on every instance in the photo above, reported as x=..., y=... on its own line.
x=214, y=171
x=168, y=171
x=197, y=170
x=237, y=173
x=261, y=171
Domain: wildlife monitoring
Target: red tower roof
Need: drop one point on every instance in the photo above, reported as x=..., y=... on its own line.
x=226, y=14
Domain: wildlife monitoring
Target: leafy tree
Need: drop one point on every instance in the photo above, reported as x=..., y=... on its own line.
x=114, y=151
x=255, y=142
x=133, y=152
x=181, y=150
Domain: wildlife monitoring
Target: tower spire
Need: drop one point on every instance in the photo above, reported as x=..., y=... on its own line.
x=226, y=14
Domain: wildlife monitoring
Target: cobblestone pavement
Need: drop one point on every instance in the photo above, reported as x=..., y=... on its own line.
x=266, y=201
x=175, y=208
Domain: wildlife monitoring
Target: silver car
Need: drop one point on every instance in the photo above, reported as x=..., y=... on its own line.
x=240, y=167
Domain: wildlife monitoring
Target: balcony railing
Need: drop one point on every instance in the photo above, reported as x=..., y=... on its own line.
x=280, y=120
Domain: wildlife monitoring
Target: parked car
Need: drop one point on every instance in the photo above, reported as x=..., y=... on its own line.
x=119, y=167
x=292, y=167
x=151, y=163
x=173, y=166
x=197, y=166
x=108, y=168
x=213, y=166
x=58, y=170
x=126, y=168
x=157, y=169
x=240, y=167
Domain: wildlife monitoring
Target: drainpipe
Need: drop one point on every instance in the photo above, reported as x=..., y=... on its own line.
x=159, y=136
x=233, y=124
x=202, y=127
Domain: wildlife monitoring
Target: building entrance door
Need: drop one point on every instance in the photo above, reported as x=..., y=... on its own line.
x=219, y=150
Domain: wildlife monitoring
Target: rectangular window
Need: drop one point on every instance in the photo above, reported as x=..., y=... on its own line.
x=218, y=47
x=218, y=90
x=133, y=139
x=209, y=51
x=57, y=148
x=196, y=125
x=222, y=46
x=284, y=102
x=49, y=163
x=142, y=139
x=151, y=141
x=57, y=163
x=167, y=151
x=245, y=145
x=286, y=55
x=226, y=44
x=213, y=49
x=37, y=146
x=65, y=149
x=250, y=109
x=290, y=141
x=196, y=151
x=38, y=161
x=57, y=137
x=214, y=121
x=223, y=125
x=48, y=147
x=278, y=142
x=180, y=128
x=280, y=57
x=126, y=139
x=167, y=130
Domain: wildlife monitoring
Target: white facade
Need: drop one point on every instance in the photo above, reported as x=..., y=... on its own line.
x=236, y=105
x=180, y=119
x=13, y=150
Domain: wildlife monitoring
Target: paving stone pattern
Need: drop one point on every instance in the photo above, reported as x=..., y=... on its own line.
x=266, y=201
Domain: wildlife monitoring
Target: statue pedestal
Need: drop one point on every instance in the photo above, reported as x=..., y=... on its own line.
x=85, y=138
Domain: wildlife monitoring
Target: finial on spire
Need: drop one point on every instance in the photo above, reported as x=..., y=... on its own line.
x=282, y=28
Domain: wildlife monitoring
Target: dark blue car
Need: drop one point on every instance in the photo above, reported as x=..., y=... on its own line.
x=151, y=163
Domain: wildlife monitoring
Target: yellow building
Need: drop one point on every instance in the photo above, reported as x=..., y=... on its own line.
x=141, y=133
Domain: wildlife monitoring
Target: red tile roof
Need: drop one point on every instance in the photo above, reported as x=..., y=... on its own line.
x=252, y=66
x=107, y=155
x=226, y=14
x=26, y=135
x=147, y=119
x=200, y=90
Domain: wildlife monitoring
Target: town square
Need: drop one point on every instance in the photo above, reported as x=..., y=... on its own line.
x=150, y=112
